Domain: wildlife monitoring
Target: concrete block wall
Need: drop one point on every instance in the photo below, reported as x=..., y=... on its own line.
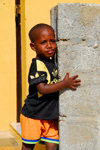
x=77, y=28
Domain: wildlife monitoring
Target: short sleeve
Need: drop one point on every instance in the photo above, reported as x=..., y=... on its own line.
x=37, y=73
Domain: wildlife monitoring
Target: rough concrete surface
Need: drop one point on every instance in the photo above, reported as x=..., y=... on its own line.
x=77, y=29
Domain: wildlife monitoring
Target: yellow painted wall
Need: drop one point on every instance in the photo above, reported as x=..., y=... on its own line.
x=7, y=64
x=33, y=12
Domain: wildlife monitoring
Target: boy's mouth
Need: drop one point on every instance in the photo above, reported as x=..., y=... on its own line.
x=51, y=51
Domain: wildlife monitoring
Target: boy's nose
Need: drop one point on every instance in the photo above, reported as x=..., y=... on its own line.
x=49, y=44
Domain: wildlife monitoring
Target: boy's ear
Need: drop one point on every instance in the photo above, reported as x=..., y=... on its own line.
x=32, y=46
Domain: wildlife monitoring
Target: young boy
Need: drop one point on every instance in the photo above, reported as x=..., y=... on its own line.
x=40, y=110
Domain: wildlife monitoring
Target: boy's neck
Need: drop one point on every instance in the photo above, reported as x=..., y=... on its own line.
x=42, y=57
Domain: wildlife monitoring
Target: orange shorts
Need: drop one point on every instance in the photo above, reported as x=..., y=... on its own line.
x=34, y=130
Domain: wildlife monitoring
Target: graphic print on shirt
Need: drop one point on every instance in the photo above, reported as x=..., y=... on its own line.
x=42, y=67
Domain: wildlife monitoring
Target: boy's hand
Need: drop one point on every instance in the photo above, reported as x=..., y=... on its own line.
x=67, y=82
x=71, y=82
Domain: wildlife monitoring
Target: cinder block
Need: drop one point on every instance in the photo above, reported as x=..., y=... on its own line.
x=77, y=30
x=77, y=20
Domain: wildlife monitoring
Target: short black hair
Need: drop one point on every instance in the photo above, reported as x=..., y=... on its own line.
x=38, y=26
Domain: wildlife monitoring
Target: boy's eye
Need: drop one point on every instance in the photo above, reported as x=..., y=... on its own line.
x=43, y=42
x=53, y=41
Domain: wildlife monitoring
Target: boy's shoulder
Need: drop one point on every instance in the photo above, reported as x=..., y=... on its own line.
x=36, y=60
x=39, y=64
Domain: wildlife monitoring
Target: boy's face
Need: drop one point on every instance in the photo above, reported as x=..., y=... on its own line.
x=44, y=43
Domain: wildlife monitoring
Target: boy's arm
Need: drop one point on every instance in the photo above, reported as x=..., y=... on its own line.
x=67, y=82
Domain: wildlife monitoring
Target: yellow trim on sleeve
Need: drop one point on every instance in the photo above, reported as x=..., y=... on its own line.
x=42, y=67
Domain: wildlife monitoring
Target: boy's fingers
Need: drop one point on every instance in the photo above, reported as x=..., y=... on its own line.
x=77, y=80
x=76, y=84
x=67, y=74
x=74, y=88
x=74, y=77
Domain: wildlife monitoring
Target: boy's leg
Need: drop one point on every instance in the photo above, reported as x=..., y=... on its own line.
x=51, y=146
x=27, y=146
x=30, y=132
x=50, y=135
